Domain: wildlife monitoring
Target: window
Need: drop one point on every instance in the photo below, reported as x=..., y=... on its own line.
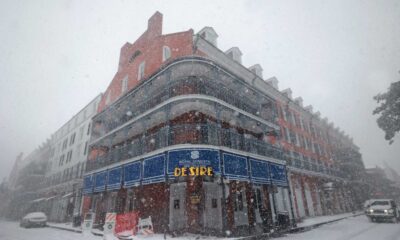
x=293, y=139
x=176, y=204
x=301, y=123
x=141, y=70
x=69, y=156
x=88, y=129
x=124, y=84
x=65, y=144
x=296, y=120
x=72, y=139
x=86, y=146
x=214, y=203
x=166, y=53
x=61, y=160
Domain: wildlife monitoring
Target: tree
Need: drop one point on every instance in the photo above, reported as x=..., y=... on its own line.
x=389, y=111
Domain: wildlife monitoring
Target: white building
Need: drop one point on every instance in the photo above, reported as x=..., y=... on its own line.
x=69, y=149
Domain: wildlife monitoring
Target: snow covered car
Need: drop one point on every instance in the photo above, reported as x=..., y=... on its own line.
x=34, y=219
x=382, y=209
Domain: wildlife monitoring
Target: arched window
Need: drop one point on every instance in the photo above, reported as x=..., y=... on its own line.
x=166, y=53
x=134, y=55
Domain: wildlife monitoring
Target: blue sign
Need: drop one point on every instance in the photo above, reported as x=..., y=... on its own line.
x=154, y=169
x=114, y=178
x=235, y=167
x=88, y=184
x=132, y=174
x=100, y=181
x=193, y=158
x=278, y=174
x=259, y=171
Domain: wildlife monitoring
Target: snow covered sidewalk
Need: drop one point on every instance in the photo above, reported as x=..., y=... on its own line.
x=307, y=224
x=310, y=223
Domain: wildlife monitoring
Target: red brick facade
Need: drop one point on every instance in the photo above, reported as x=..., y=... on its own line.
x=147, y=48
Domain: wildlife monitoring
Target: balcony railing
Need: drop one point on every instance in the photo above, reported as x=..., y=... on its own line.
x=157, y=93
x=210, y=134
x=306, y=165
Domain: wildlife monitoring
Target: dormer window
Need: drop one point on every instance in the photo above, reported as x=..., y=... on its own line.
x=134, y=56
x=141, y=70
x=209, y=34
x=166, y=53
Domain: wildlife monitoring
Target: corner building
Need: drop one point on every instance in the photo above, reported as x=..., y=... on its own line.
x=175, y=101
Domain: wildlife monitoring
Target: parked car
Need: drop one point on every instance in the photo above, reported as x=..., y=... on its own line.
x=382, y=209
x=34, y=219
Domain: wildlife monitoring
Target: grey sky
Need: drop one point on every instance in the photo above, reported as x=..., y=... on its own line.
x=55, y=56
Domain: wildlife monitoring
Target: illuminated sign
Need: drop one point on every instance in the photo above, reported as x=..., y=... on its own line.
x=193, y=162
x=193, y=171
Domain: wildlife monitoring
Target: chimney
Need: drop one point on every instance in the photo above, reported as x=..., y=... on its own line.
x=309, y=108
x=235, y=54
x=257, y=69
x=287, y=92
x=273, y=82
x=299, y=101
x=209, y=34
x=154, y=25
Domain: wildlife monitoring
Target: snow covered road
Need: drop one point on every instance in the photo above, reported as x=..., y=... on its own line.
x=357, y=228
x=12, y=231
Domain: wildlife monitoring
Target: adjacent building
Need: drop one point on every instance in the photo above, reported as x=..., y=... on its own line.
x=68, y=154
x=50, y=178
x=26, y=180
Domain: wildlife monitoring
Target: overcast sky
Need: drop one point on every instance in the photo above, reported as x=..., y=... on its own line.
x=55, y=56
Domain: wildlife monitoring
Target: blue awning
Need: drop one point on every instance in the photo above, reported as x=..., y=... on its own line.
x=100, y=181
x=193, y=158
x=132, y=174
x=278, y=174
x=259, y=171
x=88, y=184
x=235, y=167
x=154, y=169
x=114, y=178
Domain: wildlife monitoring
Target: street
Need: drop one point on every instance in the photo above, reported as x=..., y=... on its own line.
x=357, y=228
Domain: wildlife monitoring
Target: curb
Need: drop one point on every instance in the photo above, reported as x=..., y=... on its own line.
x=73, y=230
x=295, y=230
x=65, y=229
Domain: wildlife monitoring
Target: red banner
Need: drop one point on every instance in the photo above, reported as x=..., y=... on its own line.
x=126, y=222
